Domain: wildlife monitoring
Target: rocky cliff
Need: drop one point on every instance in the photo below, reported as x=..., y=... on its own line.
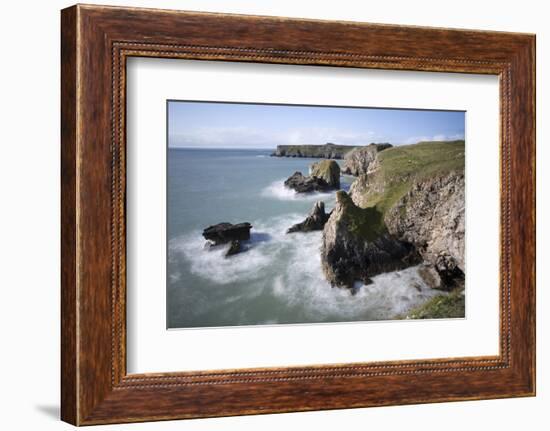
x=356, y=245
x=358, y=160
x=409, y=204
x=431, y=216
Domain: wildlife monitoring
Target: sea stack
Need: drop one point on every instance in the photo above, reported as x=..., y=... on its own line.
x=302, y=184
x=222, y=233
x=328, y=170
x=315, y=220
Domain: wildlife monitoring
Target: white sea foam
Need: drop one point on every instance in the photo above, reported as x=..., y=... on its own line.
x=304, y=284
x=286, y=269
x=262, y=250
x=278, y=190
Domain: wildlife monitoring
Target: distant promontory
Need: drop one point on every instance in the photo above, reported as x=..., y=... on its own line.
x=326, y=151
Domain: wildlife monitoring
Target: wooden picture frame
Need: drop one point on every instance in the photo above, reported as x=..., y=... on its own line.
x=95, y=43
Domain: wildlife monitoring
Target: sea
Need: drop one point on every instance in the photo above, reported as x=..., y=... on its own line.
x=278, y=279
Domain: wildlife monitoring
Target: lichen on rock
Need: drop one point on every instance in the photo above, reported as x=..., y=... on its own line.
x=306, y=184
x=328, y=170
x=356, y=245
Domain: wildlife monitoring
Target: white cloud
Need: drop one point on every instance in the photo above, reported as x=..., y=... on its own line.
x=438, y=137
x=253, y=138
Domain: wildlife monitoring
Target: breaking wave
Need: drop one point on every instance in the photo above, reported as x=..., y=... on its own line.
x=278, y=190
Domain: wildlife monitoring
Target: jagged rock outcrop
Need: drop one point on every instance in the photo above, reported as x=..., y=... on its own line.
x=222, y=233
x=357, y=246
x=327, y=151
x=303, y=184
x=234, y=248
x=315, y=220
x=328, y=170
x=359, y=160
x=432, y=217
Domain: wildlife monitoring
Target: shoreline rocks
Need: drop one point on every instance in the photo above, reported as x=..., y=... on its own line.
x=324, y=176
x=315, y=220
x=303, y=184
x=223, y=233
x=357, y=246
x=234, y=248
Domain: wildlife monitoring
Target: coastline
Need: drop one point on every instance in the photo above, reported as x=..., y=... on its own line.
x=279, y=288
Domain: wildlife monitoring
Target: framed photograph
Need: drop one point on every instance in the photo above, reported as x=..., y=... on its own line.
x=263, y=214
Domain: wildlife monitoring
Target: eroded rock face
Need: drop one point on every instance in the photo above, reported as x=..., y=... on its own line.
x=223, y=233
x=314, y=221
x=431, y=216
x=359, y=160
x=303, y=184
x=430, y=276
x=357, y=246
x=358, y=190
x=328, y=170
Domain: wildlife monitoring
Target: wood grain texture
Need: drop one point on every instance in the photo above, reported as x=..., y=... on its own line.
x=96, y=41
x=69, y=331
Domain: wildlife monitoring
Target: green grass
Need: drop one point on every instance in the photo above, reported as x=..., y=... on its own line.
x=365, y=223
x=440, y=307
x=401, y=166
x=323, y=168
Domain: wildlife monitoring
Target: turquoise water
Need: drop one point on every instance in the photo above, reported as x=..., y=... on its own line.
x=278, y=279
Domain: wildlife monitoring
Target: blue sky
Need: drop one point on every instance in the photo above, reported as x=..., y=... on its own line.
x=230, y=125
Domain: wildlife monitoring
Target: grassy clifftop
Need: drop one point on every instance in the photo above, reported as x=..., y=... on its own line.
x=407, y=195
x=398, y=167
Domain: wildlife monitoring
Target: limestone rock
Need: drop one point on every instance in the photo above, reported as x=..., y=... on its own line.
x=357, y=246
x=314, y=221
x=432, y=217
x=328, y=170
x=359, y=160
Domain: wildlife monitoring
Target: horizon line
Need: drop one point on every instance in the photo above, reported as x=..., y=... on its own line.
x=302, y=145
